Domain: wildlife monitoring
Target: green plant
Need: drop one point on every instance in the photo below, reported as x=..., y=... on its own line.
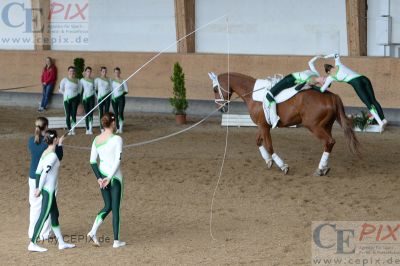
x=178, y=101
x=361, y=121
x=79, y=64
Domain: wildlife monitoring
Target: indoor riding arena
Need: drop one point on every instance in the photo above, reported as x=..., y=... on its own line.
x=199, y=132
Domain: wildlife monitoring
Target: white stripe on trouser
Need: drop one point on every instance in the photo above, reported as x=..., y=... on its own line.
x=34, y=212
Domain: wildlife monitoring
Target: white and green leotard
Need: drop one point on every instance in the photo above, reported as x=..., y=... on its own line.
x=343, y=73
x=118, y=89
x=305, y=76
x=70, y=88
x=48, y=170
x=88, y=88
x=102, y=86
x=110, y=153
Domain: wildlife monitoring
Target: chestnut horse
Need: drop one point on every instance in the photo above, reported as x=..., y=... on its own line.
x=314, y=110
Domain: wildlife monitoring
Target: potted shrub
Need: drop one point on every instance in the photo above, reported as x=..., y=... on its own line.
x=364, y=123
x=79, y=64
x=178, y=101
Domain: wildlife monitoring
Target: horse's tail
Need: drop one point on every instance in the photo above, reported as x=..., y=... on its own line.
x=347, y=126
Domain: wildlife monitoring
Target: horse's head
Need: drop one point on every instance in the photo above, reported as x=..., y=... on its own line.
x=221, y=95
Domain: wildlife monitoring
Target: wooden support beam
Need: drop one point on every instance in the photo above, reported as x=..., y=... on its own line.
x=356, y=16
x=41, y=24
x=185, y=24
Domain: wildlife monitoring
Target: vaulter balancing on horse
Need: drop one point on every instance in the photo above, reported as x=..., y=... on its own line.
x=314, y=110
x=339, y=72
x=361, y=84
x=298, y=79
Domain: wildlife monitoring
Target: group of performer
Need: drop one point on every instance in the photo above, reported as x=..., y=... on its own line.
x=86, y=90
x=340, y=73
x=46, y=153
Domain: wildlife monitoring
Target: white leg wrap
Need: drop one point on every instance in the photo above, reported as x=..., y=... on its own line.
x=278, y=161
x=324, y=161
x=264, y=153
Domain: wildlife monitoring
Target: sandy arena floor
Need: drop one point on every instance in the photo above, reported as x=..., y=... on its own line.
x=262, y=217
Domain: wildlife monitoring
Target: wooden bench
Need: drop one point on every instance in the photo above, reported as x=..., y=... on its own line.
x=235, y=120
x=59, y=122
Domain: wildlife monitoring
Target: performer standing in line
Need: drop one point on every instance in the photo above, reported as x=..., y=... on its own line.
x=47, y=177
x=118, y=98
x=71, y=88
x=361, y=84
x=88, y=100
x=108, y=147
x=36, y=146
x=103, y=88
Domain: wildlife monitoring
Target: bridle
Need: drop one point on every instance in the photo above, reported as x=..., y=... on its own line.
x=219, y=89
x=221, y=101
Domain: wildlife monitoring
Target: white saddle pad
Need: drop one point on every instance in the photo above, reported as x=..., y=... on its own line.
x=262, y=86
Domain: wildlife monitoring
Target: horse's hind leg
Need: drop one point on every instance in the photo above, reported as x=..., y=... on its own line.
x=266, y=135
x=264, y=153
x=325, y=135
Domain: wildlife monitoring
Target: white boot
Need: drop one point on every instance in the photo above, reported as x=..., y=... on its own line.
x=376, y=116
x=384, y=122
x=92, y=233
x=92, y=237
x=60, y=239
x=121, y=126
x=35, y=248
x=118, y=244
x=96, y=225
x=90, y=128
x=273, y=115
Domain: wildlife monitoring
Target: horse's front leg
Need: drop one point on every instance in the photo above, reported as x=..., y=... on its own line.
x=264, y=153
x=266, y=135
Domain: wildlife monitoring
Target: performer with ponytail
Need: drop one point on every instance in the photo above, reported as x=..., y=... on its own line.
x=47, y=179
x=108, y=147
x=36, y=146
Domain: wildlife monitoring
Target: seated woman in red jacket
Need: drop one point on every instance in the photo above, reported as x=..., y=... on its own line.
x=49, y=77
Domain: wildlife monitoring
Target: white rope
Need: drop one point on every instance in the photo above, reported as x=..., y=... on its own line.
x=226, y=138
x=156, y=139
x=145, y=64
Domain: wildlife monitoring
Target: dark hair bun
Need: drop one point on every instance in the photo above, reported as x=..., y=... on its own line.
x=107, y=119
x=49, y=136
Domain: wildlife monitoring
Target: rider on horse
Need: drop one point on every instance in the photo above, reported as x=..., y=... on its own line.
x=310, y=76
x=361, y=84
